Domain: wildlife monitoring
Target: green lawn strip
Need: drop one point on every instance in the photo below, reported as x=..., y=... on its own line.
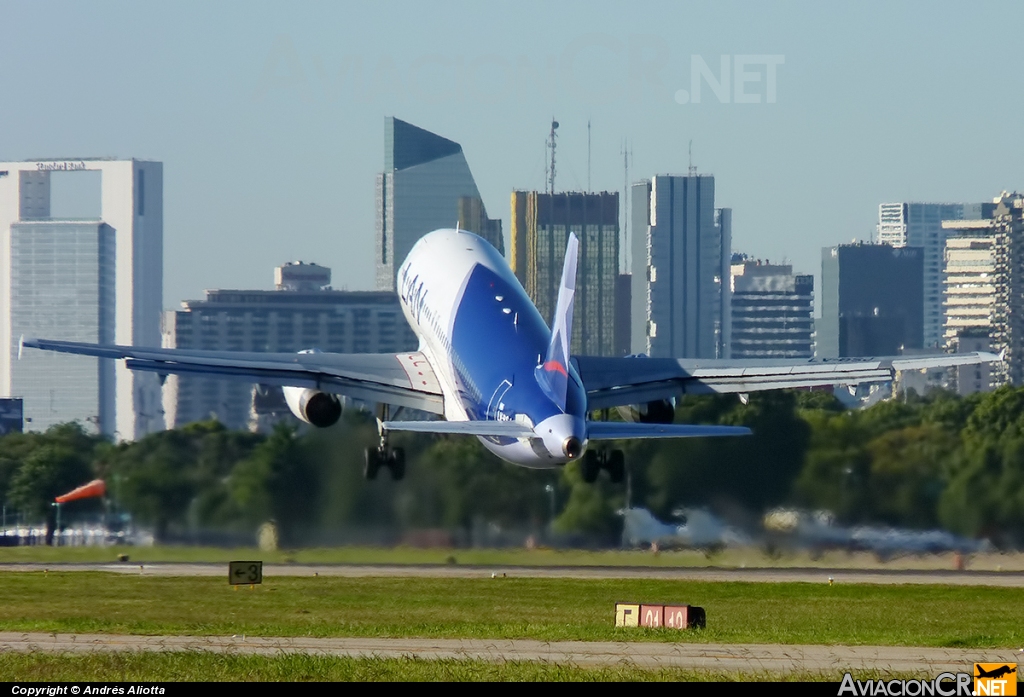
x=203, y=666
x=550, y=609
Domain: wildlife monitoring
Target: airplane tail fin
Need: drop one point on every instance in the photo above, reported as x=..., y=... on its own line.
x=553, y=373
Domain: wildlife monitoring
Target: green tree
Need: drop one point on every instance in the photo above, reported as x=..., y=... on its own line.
x=755, y=471
x=985, y=491
x=278, y=481
x=156, y=479
x=906, y=477
x=836, y=466
x=47, y=472
x=591, y=509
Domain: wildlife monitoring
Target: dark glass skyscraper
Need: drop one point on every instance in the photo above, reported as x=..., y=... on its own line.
x=872, y=300
x=541, y=224
x=424, y=177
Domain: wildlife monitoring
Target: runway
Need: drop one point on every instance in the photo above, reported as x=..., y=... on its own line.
x=746, y=658
x=1011, y=579
x=743, y=658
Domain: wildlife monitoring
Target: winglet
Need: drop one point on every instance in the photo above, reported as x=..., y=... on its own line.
x=553, y=373
x=21, y=345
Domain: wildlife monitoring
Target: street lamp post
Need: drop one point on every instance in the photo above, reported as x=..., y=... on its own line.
x=57, y=531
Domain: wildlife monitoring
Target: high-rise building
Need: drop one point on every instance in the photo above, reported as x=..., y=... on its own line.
x=681, y=251
x=303, y=313
x=62, y=281
x=473, y=217
x=772, y=311
x=1008, y=315
x=541, y=224
x=623, y=286
x=96, y=280
x=424, y=177
x=970, y=299
x=920, y=225
x=871, y=300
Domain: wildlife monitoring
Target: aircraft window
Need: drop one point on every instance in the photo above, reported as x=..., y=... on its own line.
x=499, y=298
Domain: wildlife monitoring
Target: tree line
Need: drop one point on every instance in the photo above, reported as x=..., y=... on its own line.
x=939, y=461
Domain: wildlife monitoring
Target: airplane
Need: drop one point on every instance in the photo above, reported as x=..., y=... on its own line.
x=995, y=672
x=490, y=367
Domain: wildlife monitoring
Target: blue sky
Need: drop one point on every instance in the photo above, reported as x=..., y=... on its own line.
x=269, y=119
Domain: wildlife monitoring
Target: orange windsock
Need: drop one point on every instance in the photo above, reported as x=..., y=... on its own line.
x=94, y=488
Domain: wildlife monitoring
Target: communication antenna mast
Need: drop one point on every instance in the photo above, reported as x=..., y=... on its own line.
x=626, y=242
x=589, y=190
x=551, y=147
x=692, y=169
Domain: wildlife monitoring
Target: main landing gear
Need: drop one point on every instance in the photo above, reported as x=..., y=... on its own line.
x=383, y=455
x=392, y=458
x=614, y=461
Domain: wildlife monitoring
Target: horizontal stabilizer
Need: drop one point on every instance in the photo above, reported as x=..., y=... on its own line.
x=503, y=429
x=615, y=430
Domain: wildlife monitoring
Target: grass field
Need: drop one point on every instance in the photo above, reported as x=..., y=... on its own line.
x=509, y=608
x=731, y=558
x=133, y=667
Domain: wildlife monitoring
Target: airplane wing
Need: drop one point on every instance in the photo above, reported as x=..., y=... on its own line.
x=402, y=379
x=614, y=382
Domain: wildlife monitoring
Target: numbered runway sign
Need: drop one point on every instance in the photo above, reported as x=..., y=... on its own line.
x=245, y=572
x=654, y=616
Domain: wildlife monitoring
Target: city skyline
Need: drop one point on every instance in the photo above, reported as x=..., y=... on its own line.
x=885, y=110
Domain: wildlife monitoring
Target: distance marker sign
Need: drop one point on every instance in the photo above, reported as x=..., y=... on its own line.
x=242, y=572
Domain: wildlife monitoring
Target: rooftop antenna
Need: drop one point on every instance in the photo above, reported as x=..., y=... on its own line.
x=692, y=169
x=626, y=155
x=589, y=190
x=551, y=146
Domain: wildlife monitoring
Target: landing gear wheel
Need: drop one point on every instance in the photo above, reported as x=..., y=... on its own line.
x=396, y=463
x=371, y=463
x=590, y=466
x=615, y=463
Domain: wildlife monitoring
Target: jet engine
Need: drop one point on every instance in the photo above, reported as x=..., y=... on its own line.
x=320, y=409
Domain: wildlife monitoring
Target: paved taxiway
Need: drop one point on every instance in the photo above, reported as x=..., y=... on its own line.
x=1014, y=579
x=757, y=658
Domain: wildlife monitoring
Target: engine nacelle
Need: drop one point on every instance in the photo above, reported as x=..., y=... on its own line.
x=662, y=411
x=321, y=409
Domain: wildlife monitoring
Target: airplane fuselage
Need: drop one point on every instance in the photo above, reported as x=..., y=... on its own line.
x=486, y=342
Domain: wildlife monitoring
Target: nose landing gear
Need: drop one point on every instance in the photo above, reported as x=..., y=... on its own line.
x=613, y=461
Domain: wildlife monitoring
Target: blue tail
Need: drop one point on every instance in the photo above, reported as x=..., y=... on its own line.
x=553, y=373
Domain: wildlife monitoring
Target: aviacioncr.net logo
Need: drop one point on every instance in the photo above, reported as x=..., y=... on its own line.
x=945, y=685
